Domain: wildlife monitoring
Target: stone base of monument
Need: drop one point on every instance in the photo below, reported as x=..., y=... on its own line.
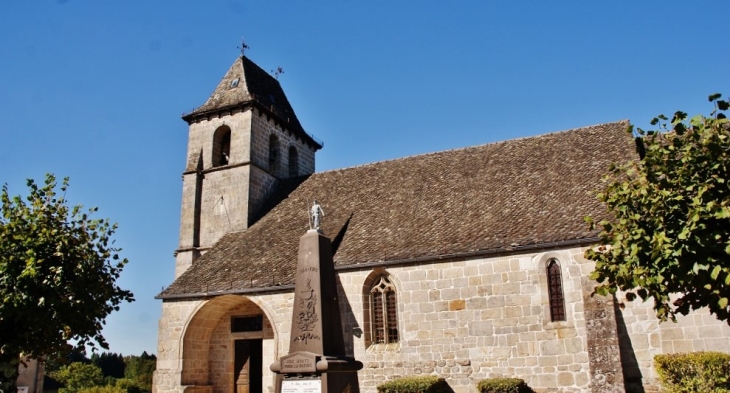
x=316, y=362
x=306, y=372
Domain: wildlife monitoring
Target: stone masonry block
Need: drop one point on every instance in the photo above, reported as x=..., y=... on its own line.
x=456, y=305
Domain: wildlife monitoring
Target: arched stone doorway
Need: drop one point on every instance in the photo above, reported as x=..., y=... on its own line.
x=227, y=347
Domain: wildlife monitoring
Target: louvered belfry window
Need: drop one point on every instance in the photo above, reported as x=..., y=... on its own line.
x=555, y=291
x=383, y=309
x=273, y=153
x=293, y=162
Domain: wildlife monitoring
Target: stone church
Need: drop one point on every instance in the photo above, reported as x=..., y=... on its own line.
x=466, y=264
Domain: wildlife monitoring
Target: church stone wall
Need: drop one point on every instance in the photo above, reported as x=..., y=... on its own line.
x=264, y=176
x=474, y=319
x=221, y=349
x=200, y=138
x=643, y=336
x=172, y=325
x=263, y=127
x=261, y=185
x=224, y=208
x=466, y=320
x=195, y=346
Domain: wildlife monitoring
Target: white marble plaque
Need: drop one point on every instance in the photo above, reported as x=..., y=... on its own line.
x=301, y=386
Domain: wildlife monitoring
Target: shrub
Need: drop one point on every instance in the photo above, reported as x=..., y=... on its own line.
x=77, y=376
x=422, y=384
x=503, y=385
x=694, y=372
x=102, y=389
x=128, y=385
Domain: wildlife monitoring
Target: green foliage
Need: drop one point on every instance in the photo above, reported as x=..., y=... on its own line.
x=81, y=377
x=669, y=239
x=700, y=372
x=78, y=376
x=102, y=389
x=111, y=364
x=128, y=385
x=421, y=384
x=140, y=369
x=58, y=272
x=503, y=385
x=74, y=354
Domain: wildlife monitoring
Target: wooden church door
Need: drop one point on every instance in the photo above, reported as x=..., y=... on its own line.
x=247, y=366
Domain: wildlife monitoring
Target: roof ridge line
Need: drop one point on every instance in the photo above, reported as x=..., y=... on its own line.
x=467, y=147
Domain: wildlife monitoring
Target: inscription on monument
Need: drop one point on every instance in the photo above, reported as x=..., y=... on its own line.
x=308, y=269
x=297, y=363
x=306, y=337
x=305, y=386
x=300, y=362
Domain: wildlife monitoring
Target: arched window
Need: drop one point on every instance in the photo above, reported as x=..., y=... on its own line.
x=383, y=315
x=555, y=291
x=221, y=146
x=293, y=162
x=273, y=153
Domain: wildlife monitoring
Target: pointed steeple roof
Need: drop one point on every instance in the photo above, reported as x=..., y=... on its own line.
x=246, y=84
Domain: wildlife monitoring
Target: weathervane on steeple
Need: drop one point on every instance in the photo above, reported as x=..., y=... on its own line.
x=243, y=46
x=278, y=72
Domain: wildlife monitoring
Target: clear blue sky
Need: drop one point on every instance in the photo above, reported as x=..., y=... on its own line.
x=94, y=90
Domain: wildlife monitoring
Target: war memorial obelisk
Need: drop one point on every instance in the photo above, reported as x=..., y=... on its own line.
x=316, y=362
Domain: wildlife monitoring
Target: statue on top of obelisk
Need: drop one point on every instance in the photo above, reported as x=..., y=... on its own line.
x=315, y=216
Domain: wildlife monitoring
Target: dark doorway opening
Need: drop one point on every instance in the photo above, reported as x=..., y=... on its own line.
x=247, y=366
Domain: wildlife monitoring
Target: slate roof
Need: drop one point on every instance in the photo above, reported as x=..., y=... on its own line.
x=517, y=194
x=246, y=83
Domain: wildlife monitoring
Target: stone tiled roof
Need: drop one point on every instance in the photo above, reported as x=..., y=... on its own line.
x=246, y=83
x=502, y=196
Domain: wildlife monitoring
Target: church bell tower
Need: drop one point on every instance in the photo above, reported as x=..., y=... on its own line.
x=241, y=142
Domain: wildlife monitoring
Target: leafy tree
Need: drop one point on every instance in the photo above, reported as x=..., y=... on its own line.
x=111, y=364
x=74, y=354
x=58, y=272
x=78, y=376
x=102, y=389
x=128, y=385
x=140, y=369
x=669, y=239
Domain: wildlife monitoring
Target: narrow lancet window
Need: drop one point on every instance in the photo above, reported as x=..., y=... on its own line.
x=555, y=291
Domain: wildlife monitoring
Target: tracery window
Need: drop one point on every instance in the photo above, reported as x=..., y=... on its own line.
x=221, y=146
x=555, y=291
x=293, y=162
x=273, y=153
x=383, y=311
